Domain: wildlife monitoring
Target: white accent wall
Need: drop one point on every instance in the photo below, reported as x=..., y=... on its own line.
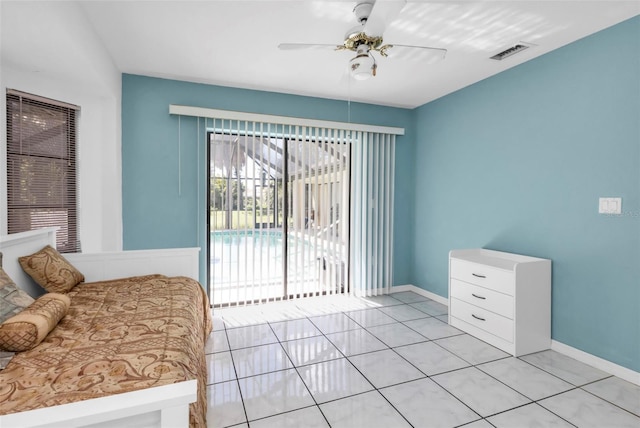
x=91, y=81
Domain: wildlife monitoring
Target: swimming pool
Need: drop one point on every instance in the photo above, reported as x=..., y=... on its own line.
x=245, y=245
x=248, y=265
x=253, y=256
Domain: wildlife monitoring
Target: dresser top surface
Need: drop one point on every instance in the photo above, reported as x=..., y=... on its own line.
x=497, y=259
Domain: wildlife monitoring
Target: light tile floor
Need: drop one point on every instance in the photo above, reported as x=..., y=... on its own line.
x=392, y=361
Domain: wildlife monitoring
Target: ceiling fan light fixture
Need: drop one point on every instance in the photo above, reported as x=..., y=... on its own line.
x=362, y=67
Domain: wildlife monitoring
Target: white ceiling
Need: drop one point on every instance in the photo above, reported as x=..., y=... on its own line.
x=235, y=43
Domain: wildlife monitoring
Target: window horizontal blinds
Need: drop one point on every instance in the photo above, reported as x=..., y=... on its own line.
x=41, y=167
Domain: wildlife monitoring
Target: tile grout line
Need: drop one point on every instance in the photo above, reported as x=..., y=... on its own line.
x=299, y=375
x=532, y=401
x=345, y=313
x=346, y=357
x=362, y=374
x=410, y=363
x=247, y=421
x=224, y=330
x=604, y=399
x=237, y=380
x=550, y=373
x=581, y=386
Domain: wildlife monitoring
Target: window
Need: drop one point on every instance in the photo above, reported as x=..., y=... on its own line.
x=41, y=167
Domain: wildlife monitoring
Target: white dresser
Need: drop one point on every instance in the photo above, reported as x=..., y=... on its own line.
x=501, y=298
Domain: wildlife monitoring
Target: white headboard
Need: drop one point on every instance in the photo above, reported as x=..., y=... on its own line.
x=97, y=266
x=22, y=244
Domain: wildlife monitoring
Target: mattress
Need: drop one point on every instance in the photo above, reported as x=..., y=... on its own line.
x=118, y=336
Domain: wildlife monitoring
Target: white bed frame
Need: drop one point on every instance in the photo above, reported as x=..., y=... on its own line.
x=163, y=406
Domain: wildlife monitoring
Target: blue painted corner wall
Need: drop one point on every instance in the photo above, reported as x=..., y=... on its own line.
x=517, y=163
x=163, y=176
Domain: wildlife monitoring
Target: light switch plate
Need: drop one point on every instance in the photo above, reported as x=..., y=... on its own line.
x=610, y=206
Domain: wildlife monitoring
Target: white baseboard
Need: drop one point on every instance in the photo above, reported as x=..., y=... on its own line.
x=584, y=357
x=597, y=362
x=428, y=294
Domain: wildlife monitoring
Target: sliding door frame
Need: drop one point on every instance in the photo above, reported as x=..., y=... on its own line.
x=338, y=274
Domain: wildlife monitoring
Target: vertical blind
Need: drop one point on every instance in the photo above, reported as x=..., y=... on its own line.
x=372, y=213
x=279, y=210
x=41, y=167
x=316, y=199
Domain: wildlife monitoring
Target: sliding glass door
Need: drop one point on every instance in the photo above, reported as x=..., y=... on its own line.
x=318, y=217
x=278, y=215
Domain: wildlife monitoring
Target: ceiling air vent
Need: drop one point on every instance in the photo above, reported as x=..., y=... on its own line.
x=511, y=51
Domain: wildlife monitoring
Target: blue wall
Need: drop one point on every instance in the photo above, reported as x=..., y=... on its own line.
x=517, y=163
x=164, y=203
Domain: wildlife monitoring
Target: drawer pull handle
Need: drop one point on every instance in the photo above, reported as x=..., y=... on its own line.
x=478, y=318
x=478, y=297
x=478, y=276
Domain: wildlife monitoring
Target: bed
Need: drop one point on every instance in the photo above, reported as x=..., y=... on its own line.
x=128, y=352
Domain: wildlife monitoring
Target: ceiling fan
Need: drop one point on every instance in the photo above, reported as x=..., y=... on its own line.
x=367, y=37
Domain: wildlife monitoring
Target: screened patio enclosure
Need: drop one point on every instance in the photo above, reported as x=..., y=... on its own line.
x=278, y=216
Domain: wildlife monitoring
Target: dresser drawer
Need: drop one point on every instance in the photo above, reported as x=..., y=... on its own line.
x=485, y=298
x=483, y=275
x=482, y=318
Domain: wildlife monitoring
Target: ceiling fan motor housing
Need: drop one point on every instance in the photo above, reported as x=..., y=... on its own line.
x=355, y=39
x=357, y=36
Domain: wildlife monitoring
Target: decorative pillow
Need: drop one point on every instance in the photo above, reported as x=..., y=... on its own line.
x=12, y=299
x=48, y=268
x=25, y=330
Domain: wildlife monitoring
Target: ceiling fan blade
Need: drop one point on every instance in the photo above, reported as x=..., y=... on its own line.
x=383, y=13
x=423, y=54
x=297, y=46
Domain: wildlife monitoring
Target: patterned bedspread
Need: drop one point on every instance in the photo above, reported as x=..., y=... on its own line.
x=118, y=336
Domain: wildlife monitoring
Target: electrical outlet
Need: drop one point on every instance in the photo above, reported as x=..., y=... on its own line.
x=610, y=206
